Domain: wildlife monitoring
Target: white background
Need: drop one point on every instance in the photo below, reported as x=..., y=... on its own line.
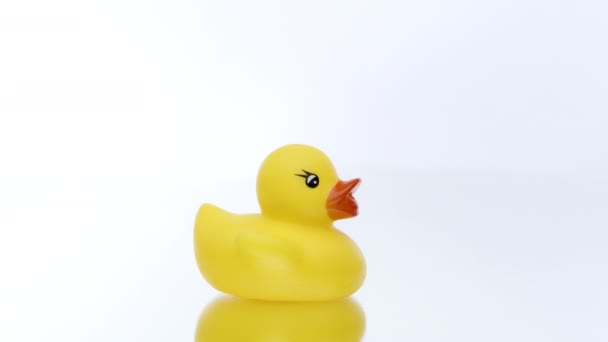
x=478, y=128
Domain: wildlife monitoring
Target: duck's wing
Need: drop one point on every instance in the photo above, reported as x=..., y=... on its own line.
x=266, y=250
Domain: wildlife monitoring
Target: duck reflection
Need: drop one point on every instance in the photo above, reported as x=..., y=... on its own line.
x=228, y=319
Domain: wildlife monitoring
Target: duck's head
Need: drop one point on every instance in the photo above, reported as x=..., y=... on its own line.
x=298, y=183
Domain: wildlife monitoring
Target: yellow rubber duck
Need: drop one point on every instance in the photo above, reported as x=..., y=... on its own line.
x=239, y=320
x=291, y=251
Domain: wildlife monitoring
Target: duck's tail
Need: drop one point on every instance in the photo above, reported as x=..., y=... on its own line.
x=209, y=215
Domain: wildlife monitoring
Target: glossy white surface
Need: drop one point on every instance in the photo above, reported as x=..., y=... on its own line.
x=465, y=256
x=478, y=129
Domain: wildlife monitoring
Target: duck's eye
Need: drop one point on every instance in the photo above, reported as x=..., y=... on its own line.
x=312, y=181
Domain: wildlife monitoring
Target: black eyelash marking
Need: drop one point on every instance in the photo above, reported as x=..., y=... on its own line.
x=304, y=176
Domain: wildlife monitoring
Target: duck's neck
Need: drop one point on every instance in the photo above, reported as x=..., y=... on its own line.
x=313, y=223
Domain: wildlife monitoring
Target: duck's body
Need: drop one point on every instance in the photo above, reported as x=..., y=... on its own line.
x=252, y=256
x=291, y=251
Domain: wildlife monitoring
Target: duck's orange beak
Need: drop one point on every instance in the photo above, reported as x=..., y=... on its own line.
x=340, y=203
